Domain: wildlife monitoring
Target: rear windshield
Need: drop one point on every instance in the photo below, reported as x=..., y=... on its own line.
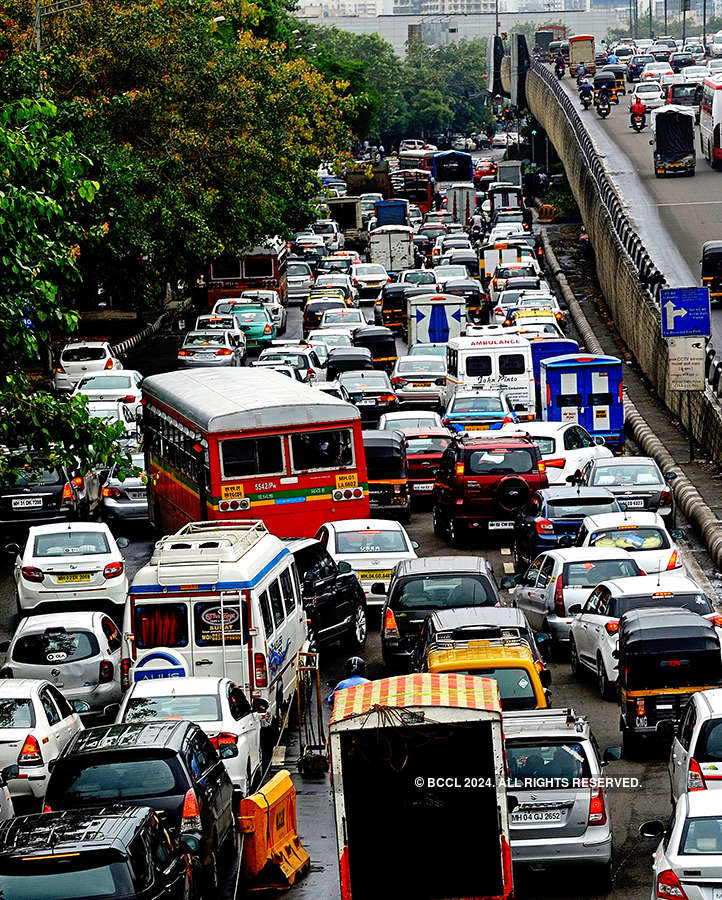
x=202, y=339
x=426, y=444
x=382, y=465
x=432, y=366
x=251, y=317
x=577, y=508
x=16, y=713
x=637, y=475
x=341, y=316
x=26, y=475
x=83, y=354
x=290, y=359
x=369, y=540
x=551, y=764
x=684, y=668
x=515, y=688
x=296, y=270
x=697, y=603
x=104, y=382
x=500, y=462
x=113, y=779
x=590, y=574
x=420, y=276
x=334, y=340
x=683, y=91
x=374, y=380
x=69, y=543
x=203, y=708
x=55, y=647
x=371, y=270
x=545, y=444
x=701, y=836
x=630, y=538
x=444, y=592
x=62, y=878
x=423, y=421
x=477, y=404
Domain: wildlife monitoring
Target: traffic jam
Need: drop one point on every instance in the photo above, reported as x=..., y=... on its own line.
x=386, y=569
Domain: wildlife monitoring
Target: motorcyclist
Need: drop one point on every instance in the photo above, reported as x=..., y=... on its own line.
x=612, y=59
x=581, y=72
x=355, y=674
x=637, y=109
x=560, y=64
x=585, y=91
x=603, y=96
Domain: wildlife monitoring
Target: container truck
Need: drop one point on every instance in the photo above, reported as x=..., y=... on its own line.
x=435, y=318
x=509, y=171
x=673, y=140
x=392, y=246
x=347, y=212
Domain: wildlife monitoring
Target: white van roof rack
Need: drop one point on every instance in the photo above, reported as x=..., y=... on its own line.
x=564, y=718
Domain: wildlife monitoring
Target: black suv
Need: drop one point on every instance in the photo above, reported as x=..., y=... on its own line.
x=115, y=851
x=171, y=766
x=42, y=495
x=333, y=599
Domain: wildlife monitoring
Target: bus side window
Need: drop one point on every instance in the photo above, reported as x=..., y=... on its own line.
x=274, y=592
x=289, y=598
x=266, y=613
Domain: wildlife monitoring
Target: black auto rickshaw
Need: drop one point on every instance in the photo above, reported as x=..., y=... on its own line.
x=711, y=269
x=347, y=359
x=478, y=306
x=387, y=472
x=608, y=80
x=665, y=656
x=619, y=73
x=422, y=249
x=390, y=308
x=380, y=341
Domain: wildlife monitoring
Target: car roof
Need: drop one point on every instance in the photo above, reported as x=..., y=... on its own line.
x=135, y=735
x=625, y=461
x=471, y=392
x=511, y=441
x=64, y=620
x=532, y=723
x=447, y=619
x=431, y=431
x=652, y=584
x=62, y=527
x=74, y=344
x=208, y=685
x=541, y=428
x=430, y=565
x=630, y=517
x=584, y=554
x=20, y=688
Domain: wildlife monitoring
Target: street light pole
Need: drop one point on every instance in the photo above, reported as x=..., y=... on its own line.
x=496, y=18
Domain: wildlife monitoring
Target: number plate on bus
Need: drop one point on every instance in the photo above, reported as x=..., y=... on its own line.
x=545, y=815
x=375, y=576
x=27, y=502
x=493, y=526
x=74, y=578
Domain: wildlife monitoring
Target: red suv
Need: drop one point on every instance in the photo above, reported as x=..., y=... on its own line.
x=482, y=483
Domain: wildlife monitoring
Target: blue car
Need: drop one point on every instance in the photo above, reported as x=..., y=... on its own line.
x=478, y=410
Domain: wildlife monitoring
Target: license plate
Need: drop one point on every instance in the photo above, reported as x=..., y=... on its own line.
x=632, y=504
x=27, y=502
x=494, y=526
x=422, y=384
x=137, y=495
x=422, y=487
x=73, y=579
x=545, y=815
x=385, y=574
x=475, y=427
x=366, y=403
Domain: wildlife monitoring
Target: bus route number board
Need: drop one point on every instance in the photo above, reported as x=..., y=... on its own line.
x=347, y=480
x=232, y=492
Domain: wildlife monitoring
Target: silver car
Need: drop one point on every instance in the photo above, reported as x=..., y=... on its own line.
x=560, y=819
x=635, y=481
x=126, y=500
x=420, y=379
x=300, y=280
x=211, y=348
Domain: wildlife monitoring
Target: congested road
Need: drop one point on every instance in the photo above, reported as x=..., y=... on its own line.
x=628, y=806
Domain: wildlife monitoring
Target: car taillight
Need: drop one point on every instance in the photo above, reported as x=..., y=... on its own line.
x=113, y=492
x=387, y=398
x=109, y=364
x=559, y=607
x=30, y=755
x=672, y=564
x=224, y=351
x=597, y=811
x=391, y=629
x=440, y=381
x=68, y=493
x=555, y=463
x=507, y=420
x=695, y=778
x=185, y=353
x=112, y=570
x=544, y=526
x=541, y=466
x=191, y=819
x=31, y=573
x=460, y=468
x=665, y=498
x=715, y=620
x=129, y=398
x=397, y=382
x=224, y=737
x=669, y=887
x=125, y=665
x=46, y=808
x=60, y=369
x=105, y=673
x=261, y=672
x=611, y=627
x=6, y=672
x=267, y=330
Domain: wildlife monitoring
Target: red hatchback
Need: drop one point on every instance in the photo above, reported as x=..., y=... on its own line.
x=483, y=482
x=424, y=449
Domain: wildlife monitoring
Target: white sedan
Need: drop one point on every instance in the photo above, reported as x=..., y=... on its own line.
x=218, y=706
x=643, y=534
x=653, y=71
x=123, y=387
x=694, y=74
x=76, y=566
x=650, y=93
x=564, y=446
x=372, y=547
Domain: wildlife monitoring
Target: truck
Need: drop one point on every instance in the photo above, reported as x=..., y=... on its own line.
x=581, y=50
x=435, y=318
x=673, y=140
x=347, y=212
x=545, y=35
x=365, y=178
x=391, y=212
x=418, y=774
x=510, y=172
x=461, y=201
x=392, y=246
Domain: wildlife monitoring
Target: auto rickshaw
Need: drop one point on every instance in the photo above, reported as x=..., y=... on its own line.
x=390, y=308
x=665, y=655
x=619, y=73
x=478, y=307
x=380, y=341
x=347, y=359
x=388, y=473
x=610, y=83
x=711, y=269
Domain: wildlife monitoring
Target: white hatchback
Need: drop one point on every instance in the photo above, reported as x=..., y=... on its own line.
x=565, y=447
x=72, y=567
x=372, y=547
x=80, y=359
x=120, y=387
x=643, y=534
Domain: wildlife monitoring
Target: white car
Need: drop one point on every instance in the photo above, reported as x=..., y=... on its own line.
x=417, y=419
x=694, y=74
x=643, y=534
x=419, y=379
x=694, y=757
x=348, y=318
x=331, y=337
x=686, y=863
x=546, y=321
x=37, y=724
x=78, y=652
x=112, y=412
x=565, y=447
x=123, y=387
x=218, y=706
x=331, y=233
x=372, y=547
x=653, y=71
x=339, y=280
x=500, y=232
x=369, y=278
x=714, y=66
x=650, y=93
x=70, y=567
x=81, y=358
x=500, y=139
x=272, y=302
x=417, y=276
x=594, y=631
x=299, y=279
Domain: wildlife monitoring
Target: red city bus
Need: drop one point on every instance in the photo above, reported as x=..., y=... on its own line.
x=250, y=444
x=263, y=268
x=710, y=120
x=413, y=185
x=417, y=159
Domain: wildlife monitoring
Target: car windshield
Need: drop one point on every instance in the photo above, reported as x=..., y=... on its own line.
x=579, y=507
x=114, y=778
x=591, y=573
x=195, y=708
x=420, y=276
x=104, y=383
x=67, y=543
x=59, y=879
x=83, y=354
x=370, y=379
x=429, y=366
x=476, y=404
x=640, y=475
x=369, y=540
x=630, y=537
x=425, y=444
x=694, y=602
x=701, y=836
x=202, y=338
x=550, y=764
x=499, y=462
x=515, y=688
x=444, y=592
x=55, y=646
x=16, y=712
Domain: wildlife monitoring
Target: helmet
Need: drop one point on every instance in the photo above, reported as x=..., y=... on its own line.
x=355, y=666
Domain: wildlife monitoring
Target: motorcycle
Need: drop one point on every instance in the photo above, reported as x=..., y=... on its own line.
x=559, y=71
x=638, y=122
x=586, y=100
x=603, y=109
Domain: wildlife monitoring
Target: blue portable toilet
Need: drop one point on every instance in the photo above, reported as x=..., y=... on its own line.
x=586, y=389
x=544, y=346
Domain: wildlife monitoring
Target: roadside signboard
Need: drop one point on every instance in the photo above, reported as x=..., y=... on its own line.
x=685, y=312
x=686, y=363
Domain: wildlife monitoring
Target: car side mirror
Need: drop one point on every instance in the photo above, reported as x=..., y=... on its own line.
x=378, y=589
x=122, y=543
x=415, y=545
x=654, y=829
x=545, y=676
x=12, y=549
x=575, y=609
x=189, y=843
x=599, y=440
x=228, y=751
x=259, y=705
x=612, y=754
x=676, y=533
x=508, y=582
x=344, y=567
x=670, y=476
x=8, y=773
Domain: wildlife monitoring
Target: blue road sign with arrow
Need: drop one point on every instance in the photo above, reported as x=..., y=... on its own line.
x=685, y=312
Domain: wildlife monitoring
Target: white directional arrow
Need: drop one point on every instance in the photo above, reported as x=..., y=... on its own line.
x=671, y=313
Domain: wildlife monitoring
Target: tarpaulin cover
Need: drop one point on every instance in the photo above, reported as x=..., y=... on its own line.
x=673, y=128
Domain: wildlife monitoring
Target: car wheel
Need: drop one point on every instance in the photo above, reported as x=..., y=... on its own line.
x=574, y=663
x=603, y=683
x=436, y=518
x=356, y=638
x=210, y=877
